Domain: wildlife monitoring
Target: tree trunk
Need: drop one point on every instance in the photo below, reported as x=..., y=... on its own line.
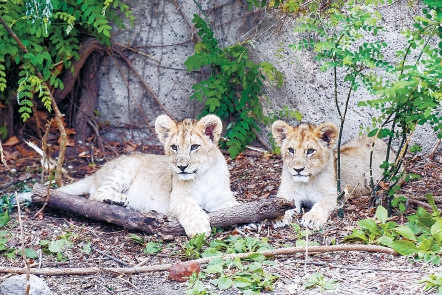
x=154, y=222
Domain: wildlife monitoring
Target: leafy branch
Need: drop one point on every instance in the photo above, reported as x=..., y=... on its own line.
x=234, y=88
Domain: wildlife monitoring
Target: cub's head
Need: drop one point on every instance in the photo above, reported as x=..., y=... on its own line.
x=190, y=145
x=305, y=148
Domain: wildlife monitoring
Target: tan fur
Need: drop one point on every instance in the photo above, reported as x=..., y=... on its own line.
x=191, y=177
x=309, y=168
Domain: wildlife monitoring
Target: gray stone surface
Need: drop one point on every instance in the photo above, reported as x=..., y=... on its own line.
x=163, y=38
x=16, y=285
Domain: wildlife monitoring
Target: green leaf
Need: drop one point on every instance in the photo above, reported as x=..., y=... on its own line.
x=30, y=253
x=406, y=232
x=258, y=257
x=215, y=268
x=369, y=224
x=153, y=248
x=224, y=283
x=4, y=219
x=381, y=214
x=58, y=246
x=436, y=231
x=403, y=247
x=357, y=235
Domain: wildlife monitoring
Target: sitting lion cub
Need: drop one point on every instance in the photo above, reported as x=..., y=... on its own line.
x=309, y=168
x=190, y=178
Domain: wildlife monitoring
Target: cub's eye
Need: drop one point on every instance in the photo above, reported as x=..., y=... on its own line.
x=174, y=147
x=310, y=151
x=194, y=147
x=291, y=150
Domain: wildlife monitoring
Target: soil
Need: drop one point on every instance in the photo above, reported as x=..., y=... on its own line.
x=254, y=175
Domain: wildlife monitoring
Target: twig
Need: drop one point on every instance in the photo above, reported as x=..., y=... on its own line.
x=420, y=203
x=329, y=265
x=165, y=267
x=22, y=241
x=110, y=257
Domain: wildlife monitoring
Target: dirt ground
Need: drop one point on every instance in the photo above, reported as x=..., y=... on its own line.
x=254, y=176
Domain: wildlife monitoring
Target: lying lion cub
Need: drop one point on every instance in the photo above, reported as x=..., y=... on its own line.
x=190, y=178
x=309, y=168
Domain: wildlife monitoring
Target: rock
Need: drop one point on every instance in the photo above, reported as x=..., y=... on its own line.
x=16, y=285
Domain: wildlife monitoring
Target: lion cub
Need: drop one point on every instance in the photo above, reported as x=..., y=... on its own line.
x=309, y=168
x=191, y=177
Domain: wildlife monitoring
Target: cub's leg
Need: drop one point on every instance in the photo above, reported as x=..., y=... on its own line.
x=112, y=188
x=320, y=212
x=190, y=215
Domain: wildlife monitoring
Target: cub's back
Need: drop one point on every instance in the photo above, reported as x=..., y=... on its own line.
x=355, y=163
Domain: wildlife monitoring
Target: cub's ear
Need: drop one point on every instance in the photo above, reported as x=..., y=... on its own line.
x=279, y=131
x=328, y=133
x=163, y=127
x=211, y=126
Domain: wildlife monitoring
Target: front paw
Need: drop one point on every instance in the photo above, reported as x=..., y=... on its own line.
x=314, y=220
x=197, y=226
x=284, y=220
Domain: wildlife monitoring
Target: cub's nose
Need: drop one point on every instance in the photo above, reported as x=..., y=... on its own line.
x=182, y=167
x=298, y=170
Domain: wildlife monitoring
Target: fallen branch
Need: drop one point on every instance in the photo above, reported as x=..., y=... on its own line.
x=167, y=266
x=154, y=222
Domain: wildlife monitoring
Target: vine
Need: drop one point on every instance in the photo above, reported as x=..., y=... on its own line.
x=51, y=32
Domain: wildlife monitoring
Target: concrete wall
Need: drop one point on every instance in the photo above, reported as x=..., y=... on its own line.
x=163, y=38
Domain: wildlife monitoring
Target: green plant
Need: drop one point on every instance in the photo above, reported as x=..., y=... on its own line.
x=52, y=33
x=5, y=250
x=317, y=280
x=248, y=277
x=433, y=281
x=59, y=246
x=195, y=286
x=194, y=246
x=247, y=274
x=302, y=236
x=234, y=88
x=420, y=236
x=150, y=248
x=399, y=203
x=153, y=248
x=6, y=205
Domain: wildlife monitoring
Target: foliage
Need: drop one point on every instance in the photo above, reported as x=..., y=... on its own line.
x=6, y=250
x=317, y=280
x=246, y=275
x=302, y=236
x=52, y=32
x=59, y=246
x=433, y=281
x=407, y=90
x=150, y=248
x=233, y=89
x=420, y=237
x=6, y=205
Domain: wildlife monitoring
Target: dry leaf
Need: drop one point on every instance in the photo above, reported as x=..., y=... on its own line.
x=13, y=140
x=181, y=271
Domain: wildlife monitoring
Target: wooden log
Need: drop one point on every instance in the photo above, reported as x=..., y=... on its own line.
x=154, y=222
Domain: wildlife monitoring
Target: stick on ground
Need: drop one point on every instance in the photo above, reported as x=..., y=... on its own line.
x=154, y=222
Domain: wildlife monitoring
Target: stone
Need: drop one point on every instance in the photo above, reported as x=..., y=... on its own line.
x=16, y=285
